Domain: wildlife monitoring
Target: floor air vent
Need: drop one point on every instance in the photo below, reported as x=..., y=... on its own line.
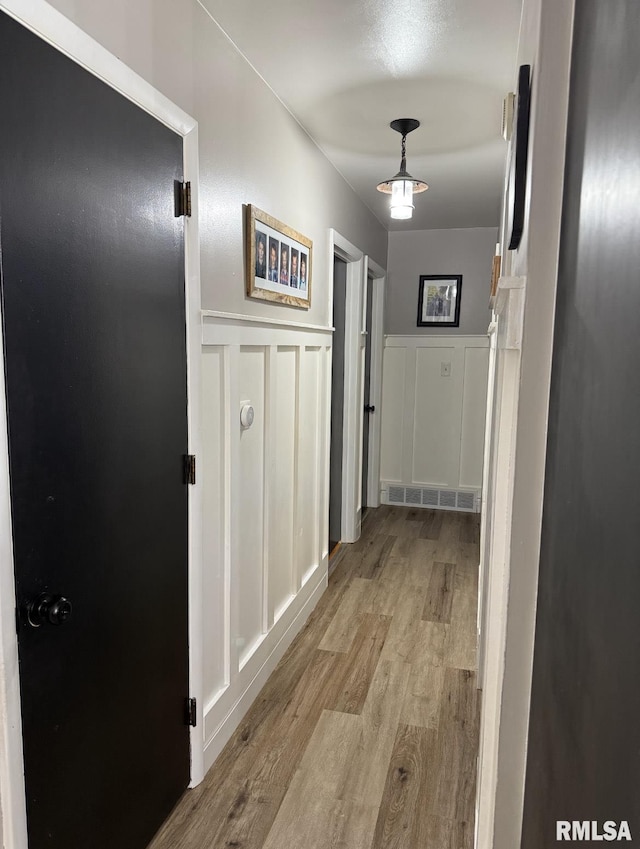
x=430, y=497
x=465, y=500
x=413, y=495
x=396, y=495
x=447, y=498
x=444, y=499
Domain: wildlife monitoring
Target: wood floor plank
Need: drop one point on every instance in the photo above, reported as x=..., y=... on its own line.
x=452, y=528
x=249, y=819
x=197, y=815
x=421, y=706
x=360, y=664
x=399, y=526
x=432, y=525
x=345, y=623
x=328, y=755
x=458, y=736
x=410, y=780
x=422, y=702
x=420, y=560
x=402, y=547
x=462, y=635
x=402, y=640
x=320, y=823
x=365, y=779
x=470, y=529
x=374, y=556
x=445, y=834
x=415, y=515
x=437, y=607
x=311, y=814
x=383, y=594
x=277, y=751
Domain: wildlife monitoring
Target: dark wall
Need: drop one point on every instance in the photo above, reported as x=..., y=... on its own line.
x=584, y=739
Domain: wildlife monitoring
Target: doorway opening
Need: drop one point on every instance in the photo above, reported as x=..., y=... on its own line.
x=337, y=403
x=356, y=309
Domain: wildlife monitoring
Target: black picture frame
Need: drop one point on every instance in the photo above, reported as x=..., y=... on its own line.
x=439, y=300
x=517, y=190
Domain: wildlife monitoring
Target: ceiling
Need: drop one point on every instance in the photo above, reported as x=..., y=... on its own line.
x=346, y=68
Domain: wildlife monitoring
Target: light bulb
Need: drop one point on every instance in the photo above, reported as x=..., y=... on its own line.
x=402, y=199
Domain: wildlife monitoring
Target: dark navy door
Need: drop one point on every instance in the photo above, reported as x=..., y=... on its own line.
x=95, y=359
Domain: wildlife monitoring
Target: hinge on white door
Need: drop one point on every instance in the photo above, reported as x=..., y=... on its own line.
x=190, y=468
x=183, y=200
x=192, y=713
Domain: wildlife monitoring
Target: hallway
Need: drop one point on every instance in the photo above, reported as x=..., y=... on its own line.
x=366, y=734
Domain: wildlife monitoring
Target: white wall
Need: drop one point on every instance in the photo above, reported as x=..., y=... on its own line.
x=251, y=149
x=432, y=424
x=415, y=252
x=519, y=434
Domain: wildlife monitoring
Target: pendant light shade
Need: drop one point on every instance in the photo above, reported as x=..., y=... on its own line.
x=403, y=186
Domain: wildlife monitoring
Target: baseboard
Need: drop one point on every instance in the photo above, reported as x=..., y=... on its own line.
x=225, y=729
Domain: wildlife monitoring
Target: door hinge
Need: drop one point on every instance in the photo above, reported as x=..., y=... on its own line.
x=192, y=713
x=183, y=200
x=190, y=468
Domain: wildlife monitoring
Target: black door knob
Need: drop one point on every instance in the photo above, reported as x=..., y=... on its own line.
x=48, y=608
x=369, y=409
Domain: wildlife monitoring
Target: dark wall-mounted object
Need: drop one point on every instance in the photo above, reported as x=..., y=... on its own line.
x=518, y=163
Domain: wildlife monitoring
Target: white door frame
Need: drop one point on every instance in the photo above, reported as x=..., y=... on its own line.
x=487, y=502
x=376, y=343
x=354, y=340
x=46, y=22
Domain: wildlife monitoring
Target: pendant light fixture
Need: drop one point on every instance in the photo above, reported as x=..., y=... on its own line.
x=403, y=186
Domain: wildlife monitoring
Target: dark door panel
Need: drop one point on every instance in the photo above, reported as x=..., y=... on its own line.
x=95, y=360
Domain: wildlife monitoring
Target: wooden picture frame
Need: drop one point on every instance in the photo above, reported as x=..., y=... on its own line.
x=289, y=281
x=439, y=300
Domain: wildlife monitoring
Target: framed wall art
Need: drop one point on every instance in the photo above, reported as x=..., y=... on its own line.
x=439, y=300
x=517, y=185
x=278, y=261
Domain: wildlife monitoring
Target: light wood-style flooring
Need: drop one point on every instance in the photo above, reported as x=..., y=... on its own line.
x=366, y=734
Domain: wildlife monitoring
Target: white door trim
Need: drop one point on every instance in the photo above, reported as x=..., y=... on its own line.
x=353, y=382
x=376, y=343
x=46, y=22
x=487, y=501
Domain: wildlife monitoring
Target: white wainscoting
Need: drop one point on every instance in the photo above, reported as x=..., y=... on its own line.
x=265, y=503
x=434, y=396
